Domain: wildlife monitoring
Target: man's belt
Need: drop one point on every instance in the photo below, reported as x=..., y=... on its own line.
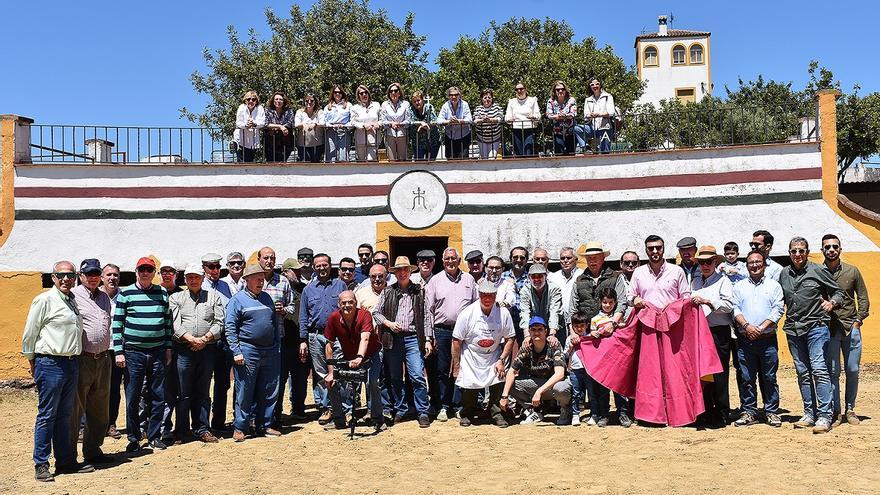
x=55, y=357
x=95, y=355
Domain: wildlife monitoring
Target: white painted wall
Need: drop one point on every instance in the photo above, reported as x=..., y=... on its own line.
x=663, y=80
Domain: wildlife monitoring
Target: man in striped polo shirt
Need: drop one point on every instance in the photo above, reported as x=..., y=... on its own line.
x=142, y=332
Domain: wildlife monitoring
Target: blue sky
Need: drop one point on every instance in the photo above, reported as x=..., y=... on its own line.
x=128, y=63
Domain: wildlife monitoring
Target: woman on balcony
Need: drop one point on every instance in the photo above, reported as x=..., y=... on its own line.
x=455, y=114
x=523, y=114
x=249, y=119
x=599, y=114
x=309, y=133
x=487, y=125
x=562, y=110
x=337, y=117
x=395, y=119
x=365, y=119
x=279, y=122
x=424, y=134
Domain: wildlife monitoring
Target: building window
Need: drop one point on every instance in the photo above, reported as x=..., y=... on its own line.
x=679, y=56
x=686, y=95
x=696, y=54
x=651, y=59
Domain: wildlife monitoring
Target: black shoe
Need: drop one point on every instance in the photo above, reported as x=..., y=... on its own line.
x=424, y=421
x=624, y=420
x=158, y=444
x=501, y=422
x=75, y=468
x=101, y=458
x=133, y=446
x=464, y=421
x=41, y=473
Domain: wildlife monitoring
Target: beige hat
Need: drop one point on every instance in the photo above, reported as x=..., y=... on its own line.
x=707, y=253
x=252, y=269
x=194, y=269
x=403, y=262
x=594, y=247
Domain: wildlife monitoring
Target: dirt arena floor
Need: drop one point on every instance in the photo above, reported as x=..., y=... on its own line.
x=448, y=459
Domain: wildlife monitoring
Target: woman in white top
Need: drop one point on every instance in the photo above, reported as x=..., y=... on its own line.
x=337, y=118
x=455, y=114
x=309, y=133
x=249, y=119
x=365, y=119
x=599, y=116
x=395, y=119
x=523, y=114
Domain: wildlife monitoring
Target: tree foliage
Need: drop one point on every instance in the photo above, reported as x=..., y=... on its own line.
x=335, y=41
x=537, y=53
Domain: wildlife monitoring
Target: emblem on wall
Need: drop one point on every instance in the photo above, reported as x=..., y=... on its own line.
x=418, y=199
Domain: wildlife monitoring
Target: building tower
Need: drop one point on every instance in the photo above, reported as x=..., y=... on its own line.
x=675, y=63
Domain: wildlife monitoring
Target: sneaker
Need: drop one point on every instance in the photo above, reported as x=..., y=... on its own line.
x=838, y=418
x=464, y=421
x=424, y=421
x=75, y=468
x=42, y=473
x=325, y=417
x=564, y=418
x=442, y=416
x=602, y=422
x=272, y=432
x=238, y=436
x=575, y=420
x=852, y=418
x=624, y=420
x=501, y=422
x=133, y=446
x=158, y=444
x=823, y=425
x=774, y=420
x=591, y=421
x=112, y=432
x=532, y=417
x=806, y=421
x=746, y=419
x=208, y=437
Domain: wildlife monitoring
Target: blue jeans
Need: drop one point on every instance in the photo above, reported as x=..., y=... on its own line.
x=448, y=396
x=599, y=397
x=603, y=136
x=523, y=142
x=851, y=347
x=578, y=378
x=144, y=366
x=222, y=369
x=405, y=350
x=256, y=387
x=56, y=379
x=194, y=369
x=342, y=401
x=317, y=345
x=563, y=144
x=311, y=154
x=337, y=146
x=810, y=355
x=758, y=358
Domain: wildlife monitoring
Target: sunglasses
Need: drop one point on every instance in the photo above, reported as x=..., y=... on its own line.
x=361, y=93
x=395, y=90
x=558, y=90
x=235, y=263
x=454, y=94
x=518, y=258
x=520, y=89
x=64, y=275
x=566, y=258
x=377, y=277
x=381, y=261
x=212, y=266
x=755, y=245
x=424, y=260
x=364, y=255
x=305, y=258
x=797, y=251
x=629, y=263
x=250, y=99
x=346, y=269
x=654, y=248
x=146, y=269
x=829, y=247
x=705, y=262
x=540, y=260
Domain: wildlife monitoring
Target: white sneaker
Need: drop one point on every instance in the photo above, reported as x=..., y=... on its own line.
x=441, y=416
x=591, y=421
x=575, y=420
x=533, y=417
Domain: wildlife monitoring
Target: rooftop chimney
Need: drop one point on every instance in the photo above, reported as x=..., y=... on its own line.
x=662, y=30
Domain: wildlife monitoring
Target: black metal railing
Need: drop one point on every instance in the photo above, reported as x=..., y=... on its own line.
x=630, y=132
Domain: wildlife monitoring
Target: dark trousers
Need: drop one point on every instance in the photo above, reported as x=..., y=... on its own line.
x=563, y=144
x=245, y=155
x=116, y=379
x=716, y=395
x=311, y=154
x=469, y=401
x=444, y=394
x=56, y=379
x=92, y=403
x=194, y=369
x=138, y=365
x=222, y=371
x=457, y=149
x=523, y=142
x=297, y=373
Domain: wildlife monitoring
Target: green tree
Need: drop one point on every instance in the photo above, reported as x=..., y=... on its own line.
x=335, y=41
x=537, y=53
x=858, y=128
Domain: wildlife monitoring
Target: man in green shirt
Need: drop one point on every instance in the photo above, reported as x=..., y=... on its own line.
x=846, y=327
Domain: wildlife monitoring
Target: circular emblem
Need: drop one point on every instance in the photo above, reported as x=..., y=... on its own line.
x=418, y=199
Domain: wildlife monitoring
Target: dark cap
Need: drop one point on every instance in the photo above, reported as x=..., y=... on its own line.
x=426, y=253
x=90, y=265
x=686, y=242
x=473, y=255
x=305, y=252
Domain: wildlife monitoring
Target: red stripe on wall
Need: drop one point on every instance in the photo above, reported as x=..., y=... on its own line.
x=573, y=185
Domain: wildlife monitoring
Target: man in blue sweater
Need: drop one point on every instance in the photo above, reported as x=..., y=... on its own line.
x=255, y=344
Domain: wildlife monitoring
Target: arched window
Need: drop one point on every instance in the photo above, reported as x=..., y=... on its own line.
x=696, y=54
x=651, y=58
x=679, y=56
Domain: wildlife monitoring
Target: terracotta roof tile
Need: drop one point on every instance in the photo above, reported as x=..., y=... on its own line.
x=673, y=33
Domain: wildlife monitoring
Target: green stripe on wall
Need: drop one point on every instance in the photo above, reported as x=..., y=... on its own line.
x=457, y=209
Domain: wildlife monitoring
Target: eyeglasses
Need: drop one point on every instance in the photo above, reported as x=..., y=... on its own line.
x=629, y=263
x=65, y=275
x=829, y=247
x=235, y=263
x=654, y=248
x=705, y=262
x=453, y=94
x=377, y=277
x=395, y=90
x=494, y=268
x=381, y=261
x=797, y=251
x=212, y=266
x=146, y=269
x=305, y=258
x=346, y=269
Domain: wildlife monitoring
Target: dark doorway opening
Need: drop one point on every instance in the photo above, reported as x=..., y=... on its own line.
x=410, y=246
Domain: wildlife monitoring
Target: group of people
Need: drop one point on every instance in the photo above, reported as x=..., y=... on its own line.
x=411, y=129
x=486, y=344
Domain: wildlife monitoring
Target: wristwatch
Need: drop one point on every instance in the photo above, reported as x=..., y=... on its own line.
x=360, y=356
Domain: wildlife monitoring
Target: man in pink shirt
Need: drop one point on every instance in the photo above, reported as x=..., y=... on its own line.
x=658, y=282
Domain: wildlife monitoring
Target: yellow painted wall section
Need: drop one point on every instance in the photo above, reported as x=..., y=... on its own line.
x=7, y=177
x=17, y=290
x=452, y=230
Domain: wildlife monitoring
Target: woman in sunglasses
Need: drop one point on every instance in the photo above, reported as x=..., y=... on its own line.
x=309, y=133
x=249, y=119
x=395, y=118
x=455, y=114
x=337, y=117
x=365, y=119
x=562, y=110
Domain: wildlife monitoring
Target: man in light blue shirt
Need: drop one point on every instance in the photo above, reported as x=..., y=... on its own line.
x=762, y=241
x=758, y=305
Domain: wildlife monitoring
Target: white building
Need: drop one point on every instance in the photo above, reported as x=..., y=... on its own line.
x=675, y=63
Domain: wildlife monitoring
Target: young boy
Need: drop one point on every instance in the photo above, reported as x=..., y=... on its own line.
x=731, y=266
x=601, y=325
x=580, y=327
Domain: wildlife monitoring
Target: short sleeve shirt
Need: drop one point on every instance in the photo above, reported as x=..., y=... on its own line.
x=539, y=364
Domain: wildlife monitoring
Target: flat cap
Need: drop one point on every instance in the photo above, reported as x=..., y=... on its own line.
x=211, y=258
x=486, y=287
x=686, y=242
x=426, y=253
x=473, y=255
x=537, y=269
x=305, y=252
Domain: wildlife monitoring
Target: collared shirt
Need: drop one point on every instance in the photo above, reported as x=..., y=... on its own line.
x=390, y=279
x=197, y=314
x=718, y=289
x=318, y=300
x=603, y=104
x=349, y=337
x=231, y=283
x=279, y=290
x=660, y=289
x=566, y=285
x=337, y=113
x=417, y=278
x=391, y=112
x=362, y=273
x=624, y=306
x=222, y=288
x=518, y=283
x=367, y=298
x=96, y=311
x=461, y=128
x=249, y=137
x=522, y=114
x=757, y=301
x=446, y=296
x=405, y=315
x=506, y=292
x=691, y=272
x=773, y=269
x=804, y=291
x=849, y=278
x=53, y=326
x=569, y=109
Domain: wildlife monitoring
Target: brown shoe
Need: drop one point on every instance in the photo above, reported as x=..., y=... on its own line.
x=112, y=432
x=852, y=418
x=325, y=417
x=208, y=437
x=238, y=436
x=272, y=432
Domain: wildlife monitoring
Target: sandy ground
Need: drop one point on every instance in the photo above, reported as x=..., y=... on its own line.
x=484, y=459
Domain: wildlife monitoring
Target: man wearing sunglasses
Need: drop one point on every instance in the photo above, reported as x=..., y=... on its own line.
x=235, y=266
x=762, y=242
x=846, y=328
x=51, y=342
x=474, y=260
x=211, y=266
x=659, y=282
x=810, y=294
x=346, y=273
x=379, y=258
x=306, y=256
x=365, y=256
x=142, y=330
x=425, y=261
